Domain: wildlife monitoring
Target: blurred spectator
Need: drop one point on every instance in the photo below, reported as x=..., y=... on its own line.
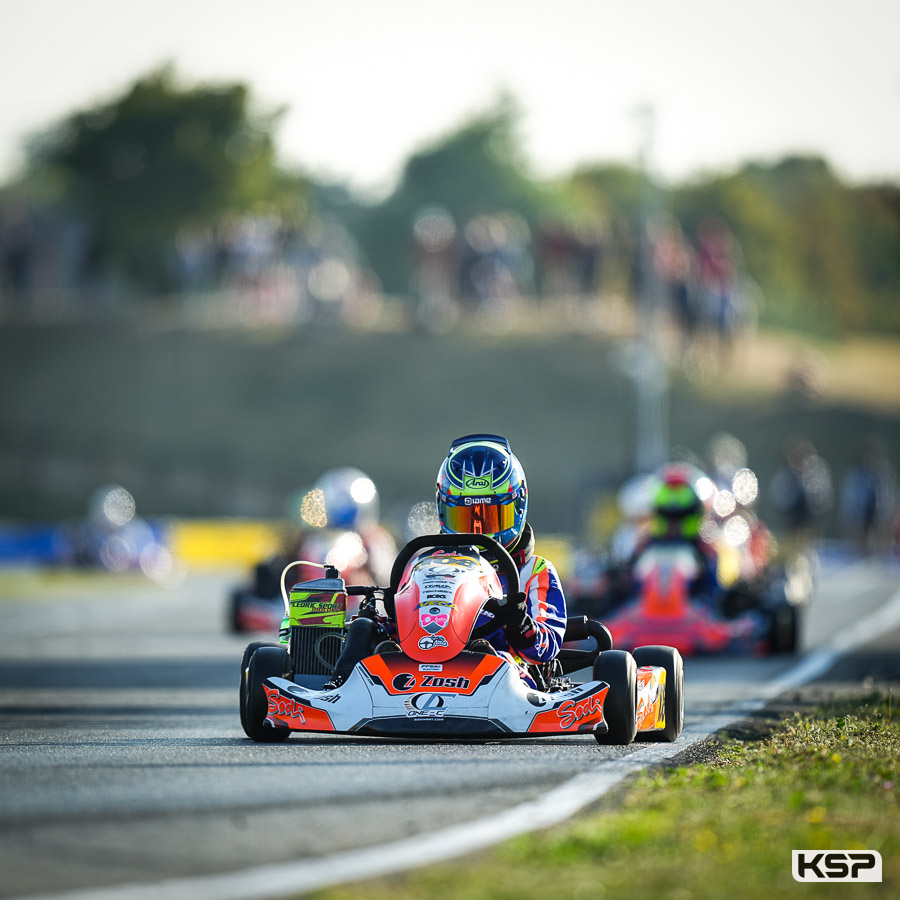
x=436, y=274
x=496, y=265
x=570, y=256
x=673, y=264
x=868, y=500
x=720, y=299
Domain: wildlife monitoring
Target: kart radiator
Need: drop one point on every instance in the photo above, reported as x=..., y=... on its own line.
x=315, y=650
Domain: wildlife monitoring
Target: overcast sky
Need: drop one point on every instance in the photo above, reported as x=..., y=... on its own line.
x=367, y=82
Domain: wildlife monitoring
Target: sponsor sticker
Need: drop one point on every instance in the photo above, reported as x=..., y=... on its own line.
x=283, y=707
x=403, y=682
x=433, y=618
x=427, y=706
x=836, y=865
x=430, y=641
x=647, y=698
x=571, y=712
x=437, y=681
x=431, y=667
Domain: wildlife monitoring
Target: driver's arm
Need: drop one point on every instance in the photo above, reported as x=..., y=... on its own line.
x=539, y=639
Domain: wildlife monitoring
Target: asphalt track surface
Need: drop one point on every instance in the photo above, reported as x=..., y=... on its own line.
x=124, y=772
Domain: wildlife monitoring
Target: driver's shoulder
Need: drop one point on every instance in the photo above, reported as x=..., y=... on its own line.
x=535, y=564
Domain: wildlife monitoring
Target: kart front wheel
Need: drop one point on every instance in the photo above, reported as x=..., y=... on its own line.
x=667, y=658
x=265, y=662
x=783, y=630
x=245, y=661
x=617, y=668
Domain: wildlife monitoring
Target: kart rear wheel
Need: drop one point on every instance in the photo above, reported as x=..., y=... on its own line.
x=667, y=658
x=266, y=662
x=617, y=668
x=245, y=661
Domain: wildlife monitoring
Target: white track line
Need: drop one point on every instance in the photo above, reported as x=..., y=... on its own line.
x=557, y=805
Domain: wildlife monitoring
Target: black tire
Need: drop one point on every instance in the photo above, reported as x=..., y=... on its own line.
x=233, y=617
x=245, y=661
x=667, y=658
x=617, y=668
x=783, y=630
x=265, y=662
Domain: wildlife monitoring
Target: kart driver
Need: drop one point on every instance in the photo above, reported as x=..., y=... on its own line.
x=482, y=467
x=677, y=515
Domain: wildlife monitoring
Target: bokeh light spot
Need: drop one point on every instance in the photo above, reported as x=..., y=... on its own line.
x=745, y=486
x=312, y=509
x=724, y=504
x=118, y=506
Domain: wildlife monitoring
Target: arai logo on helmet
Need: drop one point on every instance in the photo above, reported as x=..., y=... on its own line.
x=477, y=484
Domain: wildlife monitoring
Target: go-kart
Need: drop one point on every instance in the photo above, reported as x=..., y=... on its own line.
x=257, y=606
x=440, y=679
x=663, y=608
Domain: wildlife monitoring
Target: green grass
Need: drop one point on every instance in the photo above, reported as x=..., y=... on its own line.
x=821, y=780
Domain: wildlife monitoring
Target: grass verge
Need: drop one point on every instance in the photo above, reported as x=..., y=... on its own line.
x=826, y=779
x=30, y=583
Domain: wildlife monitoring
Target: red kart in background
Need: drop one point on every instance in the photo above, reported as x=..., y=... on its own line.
x=662, y=609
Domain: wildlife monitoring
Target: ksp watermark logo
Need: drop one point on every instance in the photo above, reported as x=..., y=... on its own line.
x=836, y=865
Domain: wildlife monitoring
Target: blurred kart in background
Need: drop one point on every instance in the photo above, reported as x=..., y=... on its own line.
x=645, y=589
x=338, y=525
x=762, y=617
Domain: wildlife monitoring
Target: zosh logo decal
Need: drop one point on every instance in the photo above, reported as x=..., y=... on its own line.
x=403, y=682
x=437, y=681
x=836, y=865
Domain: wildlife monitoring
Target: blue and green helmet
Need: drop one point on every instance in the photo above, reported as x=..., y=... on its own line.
x=481, y=489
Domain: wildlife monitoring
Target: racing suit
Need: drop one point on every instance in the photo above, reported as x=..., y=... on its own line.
x=536, y=630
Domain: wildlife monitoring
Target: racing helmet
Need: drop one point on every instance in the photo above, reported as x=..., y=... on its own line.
x=481, y=489
x=344, y=498
x=677, y=507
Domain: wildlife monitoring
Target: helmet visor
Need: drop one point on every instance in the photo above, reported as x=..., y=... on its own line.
x=479, y=515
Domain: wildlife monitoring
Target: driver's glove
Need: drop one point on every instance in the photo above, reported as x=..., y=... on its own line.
x=518, y=626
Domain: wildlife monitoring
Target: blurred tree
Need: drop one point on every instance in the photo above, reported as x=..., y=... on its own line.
x=826, y=254
x=158, y=158
x=478, y=168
